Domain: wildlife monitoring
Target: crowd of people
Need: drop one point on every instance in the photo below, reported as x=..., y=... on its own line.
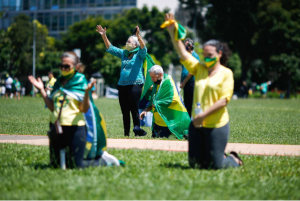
x=12, y=88
x=202, y=118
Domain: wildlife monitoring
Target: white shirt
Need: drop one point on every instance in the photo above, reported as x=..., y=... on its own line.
x=8, y=82
x=3, y=89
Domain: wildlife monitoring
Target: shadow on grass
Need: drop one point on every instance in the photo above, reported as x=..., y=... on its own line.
x=175, y=165
x=41, y=166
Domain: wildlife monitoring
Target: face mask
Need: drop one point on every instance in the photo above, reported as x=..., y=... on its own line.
x=68, y=74
x=157, y=82
x=211, y=62
x=129, y=47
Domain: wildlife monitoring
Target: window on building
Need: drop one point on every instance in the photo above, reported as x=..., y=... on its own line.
x=40, y=18
x=92, y=13
x=124, y=2
x=132, y=2
x=25, y=4
x=33, y=5
x=47, y=20
x=76, y=17
x=69, y=19
x=6, y=23
x=116, y=2
x=69, y=3
x=0, y=7
x=99, y=3
x=62, y=3
x=92, y=3
x=62, y=22
x=83, y=3
x=54, y=22
x=107, y=16
x=76, y=4
x=12, y=5
x=41, y=4
x=107, y=2
x=47, y=4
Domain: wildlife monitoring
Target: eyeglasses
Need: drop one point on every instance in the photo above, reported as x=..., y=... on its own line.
x=65, y=66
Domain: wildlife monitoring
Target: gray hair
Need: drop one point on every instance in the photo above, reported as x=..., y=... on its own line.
x=156, y=69
x=214, y=43
x=135, y=40
x=71, y=55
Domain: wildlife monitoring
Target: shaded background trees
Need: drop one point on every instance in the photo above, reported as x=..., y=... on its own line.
x=264, y=36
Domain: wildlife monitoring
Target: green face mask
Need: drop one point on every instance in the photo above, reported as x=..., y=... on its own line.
x=211, y=62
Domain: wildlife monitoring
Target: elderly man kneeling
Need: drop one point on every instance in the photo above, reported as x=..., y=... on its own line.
x=169, y=114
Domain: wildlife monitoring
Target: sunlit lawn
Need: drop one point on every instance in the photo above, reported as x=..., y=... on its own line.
x=270, y=121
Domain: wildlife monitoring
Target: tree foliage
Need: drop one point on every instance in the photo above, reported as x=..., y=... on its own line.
x=264, y=33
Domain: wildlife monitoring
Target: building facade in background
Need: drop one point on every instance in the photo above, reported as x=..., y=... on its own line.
x=58, y=15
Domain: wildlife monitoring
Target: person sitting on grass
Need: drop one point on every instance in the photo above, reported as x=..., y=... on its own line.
x=169, y=114
x=71, y=94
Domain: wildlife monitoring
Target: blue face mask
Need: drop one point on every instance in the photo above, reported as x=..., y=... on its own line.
x=187, y=48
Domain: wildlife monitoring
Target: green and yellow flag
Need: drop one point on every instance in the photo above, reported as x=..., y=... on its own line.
x=180, y=31
x=95, y=124
x=170, y=107
x=148, y=63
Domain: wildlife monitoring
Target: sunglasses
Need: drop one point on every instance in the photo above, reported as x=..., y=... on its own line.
x=65, y=66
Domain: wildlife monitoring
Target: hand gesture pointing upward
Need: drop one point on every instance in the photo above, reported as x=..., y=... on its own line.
x=100, y=30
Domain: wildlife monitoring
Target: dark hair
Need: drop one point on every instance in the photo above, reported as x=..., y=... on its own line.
x=190, y=42
x=226, y=53
x=50, y=72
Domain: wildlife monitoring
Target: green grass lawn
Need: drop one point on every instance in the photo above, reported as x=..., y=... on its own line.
x=25, y=174
x=270, y=121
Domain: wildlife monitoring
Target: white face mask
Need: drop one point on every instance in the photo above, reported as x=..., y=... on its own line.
x=129, y=47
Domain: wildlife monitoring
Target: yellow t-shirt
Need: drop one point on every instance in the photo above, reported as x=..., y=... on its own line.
x=70, y=114
x=158, y=120
x=209, y=90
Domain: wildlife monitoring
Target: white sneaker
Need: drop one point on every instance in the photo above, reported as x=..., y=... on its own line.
x=108, y=160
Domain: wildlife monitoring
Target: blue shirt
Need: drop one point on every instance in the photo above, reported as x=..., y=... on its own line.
x=185, y=72
x=131, y=69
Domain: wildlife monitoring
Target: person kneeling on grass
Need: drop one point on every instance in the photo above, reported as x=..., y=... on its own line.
x=83, y=133
x=169, y=114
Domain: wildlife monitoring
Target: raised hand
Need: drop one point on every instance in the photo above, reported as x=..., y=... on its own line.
x=36, y=82
x=100, y=30
x=137, y=31
x=90, y=85
x=170, y=16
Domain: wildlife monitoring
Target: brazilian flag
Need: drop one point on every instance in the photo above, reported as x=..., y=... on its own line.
x=96, y=127
x=168, y=104
x=180, y=31
x=148, y=63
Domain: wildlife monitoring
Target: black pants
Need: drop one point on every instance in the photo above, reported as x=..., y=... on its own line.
x=188, y=95
x=73, y=140
x=160, y=131
x=207, y=146
x=129, y=97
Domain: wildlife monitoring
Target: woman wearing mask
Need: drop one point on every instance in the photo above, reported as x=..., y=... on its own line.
x=131, y=80
x=70, y=95
x=209, y=129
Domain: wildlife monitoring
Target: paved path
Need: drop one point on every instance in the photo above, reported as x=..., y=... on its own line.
x=166, y=145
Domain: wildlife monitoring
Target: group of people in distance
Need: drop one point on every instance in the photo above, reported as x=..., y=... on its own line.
x=208, y=88
x=12, y=88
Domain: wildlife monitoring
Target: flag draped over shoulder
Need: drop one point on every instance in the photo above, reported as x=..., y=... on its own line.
x=95, y=124
x=180, y=31
x=148, y=63
x=170, y=107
